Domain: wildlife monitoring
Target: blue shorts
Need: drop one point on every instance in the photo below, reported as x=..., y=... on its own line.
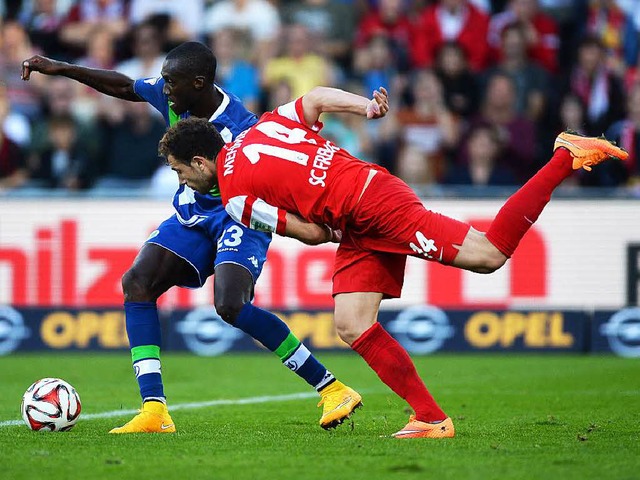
x=219, y=239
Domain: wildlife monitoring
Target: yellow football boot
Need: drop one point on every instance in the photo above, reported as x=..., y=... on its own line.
x=153, y=418
x=588, y=151
x=418, y=429
x=338, y=402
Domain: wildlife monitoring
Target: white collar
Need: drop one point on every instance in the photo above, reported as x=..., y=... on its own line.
x=223, y=104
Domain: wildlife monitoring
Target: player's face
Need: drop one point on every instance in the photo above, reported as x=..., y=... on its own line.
x=180, y=87
x=199, y=175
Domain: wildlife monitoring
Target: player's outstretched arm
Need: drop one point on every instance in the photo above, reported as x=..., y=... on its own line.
x=109, y=82
x=326, y=99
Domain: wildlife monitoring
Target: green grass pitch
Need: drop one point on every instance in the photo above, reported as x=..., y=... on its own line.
x=516, y=417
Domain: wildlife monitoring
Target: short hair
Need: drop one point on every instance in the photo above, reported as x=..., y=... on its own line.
x=189, y=138
x=196, y=59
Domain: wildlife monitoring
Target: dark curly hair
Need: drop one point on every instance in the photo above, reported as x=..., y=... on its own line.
x=191, y=137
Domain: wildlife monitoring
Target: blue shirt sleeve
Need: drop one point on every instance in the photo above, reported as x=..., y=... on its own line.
x=150, y=89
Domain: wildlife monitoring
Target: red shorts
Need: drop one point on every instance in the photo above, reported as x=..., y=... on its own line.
x=389, y=223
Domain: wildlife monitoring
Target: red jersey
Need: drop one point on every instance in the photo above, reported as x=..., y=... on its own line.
x=282, y=165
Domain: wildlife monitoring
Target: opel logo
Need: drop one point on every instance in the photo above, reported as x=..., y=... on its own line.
x=205, y=333
x=421, y=329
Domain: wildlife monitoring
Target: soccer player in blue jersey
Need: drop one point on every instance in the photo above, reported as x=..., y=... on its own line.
x=199, y=240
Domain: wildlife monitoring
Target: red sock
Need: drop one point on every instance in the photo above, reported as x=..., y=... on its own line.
x=523, y=207
x=394, y=367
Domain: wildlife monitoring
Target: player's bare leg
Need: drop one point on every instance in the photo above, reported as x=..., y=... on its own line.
x=356, y=322
x=478, y=254
x=485, y=253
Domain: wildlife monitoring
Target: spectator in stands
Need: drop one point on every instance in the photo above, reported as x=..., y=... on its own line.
x=258, y=17
x=147, y=48
x=389, y=19
x=185, y=17
x=517, y=133
x=572, y=115
x=427, y=130
x=60, y=100
x=617, y=33
x=599, y=89
x=42, y=21
x=64, y=163
x=481, y=163
x=15, y=46
x=130, y=148
x=299, y=66
x=88, y=15
x=234, y=71
x=278, y=94
x=451, y=21
x=100, y=54
x=13, y=172
x=330, y=23
x=14, y=125
x=375, y=66
x=460, y=85
x=541, y=32
x=530, y=79
x=626, y=133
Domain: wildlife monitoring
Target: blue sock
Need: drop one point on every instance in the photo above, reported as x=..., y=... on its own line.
x=143, y=329
x=274, y=334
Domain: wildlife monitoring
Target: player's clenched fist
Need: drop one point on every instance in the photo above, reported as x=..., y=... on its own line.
x=41, y=64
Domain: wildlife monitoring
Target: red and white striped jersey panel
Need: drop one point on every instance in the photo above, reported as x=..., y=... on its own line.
x=294, y=111
x=256, y=214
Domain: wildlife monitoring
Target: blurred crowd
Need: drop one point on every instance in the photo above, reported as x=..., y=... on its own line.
x=478, y=88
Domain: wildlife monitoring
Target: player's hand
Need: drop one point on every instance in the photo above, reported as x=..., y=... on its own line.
x=331, y=235
x=378, y=106
x=41, y=64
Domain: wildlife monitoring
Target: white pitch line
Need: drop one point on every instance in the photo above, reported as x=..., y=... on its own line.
x=189, y=406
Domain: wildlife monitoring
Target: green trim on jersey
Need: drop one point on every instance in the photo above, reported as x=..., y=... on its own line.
x=145, y=351
x=173, y=117
x=287, y=347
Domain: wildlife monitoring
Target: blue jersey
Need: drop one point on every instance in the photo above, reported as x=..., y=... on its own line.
x=231, y=118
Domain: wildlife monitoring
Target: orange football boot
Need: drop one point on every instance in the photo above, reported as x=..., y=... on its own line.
x=417, y=429
x=588, y=151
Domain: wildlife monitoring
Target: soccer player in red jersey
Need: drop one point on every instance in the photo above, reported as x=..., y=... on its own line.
x=282, y=176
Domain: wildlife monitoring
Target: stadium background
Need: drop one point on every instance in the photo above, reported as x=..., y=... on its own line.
x=477, y=97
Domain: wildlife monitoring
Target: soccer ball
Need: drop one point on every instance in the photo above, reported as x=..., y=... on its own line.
x=50, y=405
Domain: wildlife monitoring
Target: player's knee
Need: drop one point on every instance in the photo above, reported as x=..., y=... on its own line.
x=136, y=287
x=347, y=334
x=349, y=331
x=229, y=309
x=491, y=261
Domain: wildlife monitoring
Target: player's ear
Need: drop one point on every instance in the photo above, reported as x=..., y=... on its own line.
x=198, y=82
x=199, y=162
